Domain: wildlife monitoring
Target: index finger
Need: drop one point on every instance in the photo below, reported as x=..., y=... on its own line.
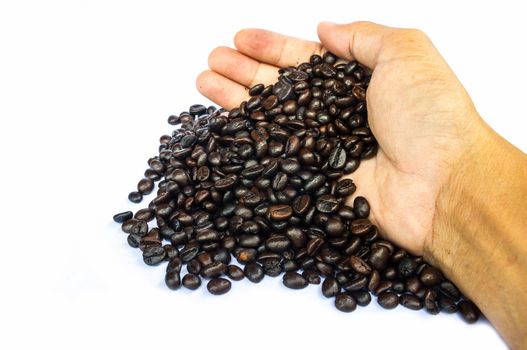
x=276, y=49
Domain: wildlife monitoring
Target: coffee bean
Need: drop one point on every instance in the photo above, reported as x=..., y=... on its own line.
x=327, y=204
x=172, y=280
x=469, y=311
x=218, y=286
x=335, y=226
x=256, y=90
x=361, y=207
x=411, y=302
x=135, y=197
x=145, y=186
x=153, y=255
x=254, y=272
x=345, y=302
x=294, y=280
x=280, y=212
x=363, y=298
x=330, y=287
x=215, y=269
x=430, y=276
x=360, y=227
x=235, y=273
x=337, y=158
x=359, y=265
x=388, y=300
x=122, y=217
x=311, y=276
x=277, y=243
x=191, y=281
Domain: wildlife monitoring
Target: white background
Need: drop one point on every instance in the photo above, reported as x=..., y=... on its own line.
x=85, y=90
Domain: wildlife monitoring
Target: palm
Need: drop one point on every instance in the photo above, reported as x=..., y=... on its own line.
x=400, y=181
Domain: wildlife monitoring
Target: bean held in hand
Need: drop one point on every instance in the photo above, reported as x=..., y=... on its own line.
x=263, y=183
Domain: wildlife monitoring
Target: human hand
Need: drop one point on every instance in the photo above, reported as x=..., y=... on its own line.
x=418, y=111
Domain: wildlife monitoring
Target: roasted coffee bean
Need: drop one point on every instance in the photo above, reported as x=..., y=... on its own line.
x=406, y=267
x=278, y=243
x=254, y=272
x=361, y=207
x=388, y=300
x=218, y=286
x=447, y=304
x=330, y=287
x=235, y=273
x=153, y=255
x=327, y=204
x=359, y=265
x=431, y=301
x=430, y=276
x=360, y=227
x=191, y=281
x=214, y=269
x=256, y=90
x=311, y=276
x=337, y=158
x=173, y=280
x=294, y=280
x=469, y=311
x=135, y=197
x=411, y=302
x=280, y=212
x=363, y=298
x=122, y=217
x=345, y=302
x=335, y=226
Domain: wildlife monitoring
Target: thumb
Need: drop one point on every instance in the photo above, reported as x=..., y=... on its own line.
x=362, y=41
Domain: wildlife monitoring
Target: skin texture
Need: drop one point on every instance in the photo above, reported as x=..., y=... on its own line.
x=428, y=185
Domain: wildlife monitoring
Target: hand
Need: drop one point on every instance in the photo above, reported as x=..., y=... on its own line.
x=418, y=111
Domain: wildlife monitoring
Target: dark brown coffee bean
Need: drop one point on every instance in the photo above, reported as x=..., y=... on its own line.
x=256, y=90
x=153, y=255
x=215, y=269
x=172, y=280
x=360, y=265
x=254, y=272
x=122, y=217
x=469, y=311
x=280, y=212
x=327, y=204
x=135, y=197
x=294, y=280
x=278, y=243
x=361, y=207
x=191, y=281
x=330, y=287
x=335, y=226
x=218, y=286
x=388, y=300
x=360, y=227
x=311, y=276
x=430, y=276
x=345, y=302
x=337, y=158
x=235, y=273
x=411, y=302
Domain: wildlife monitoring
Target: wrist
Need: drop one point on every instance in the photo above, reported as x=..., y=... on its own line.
x=478, y=230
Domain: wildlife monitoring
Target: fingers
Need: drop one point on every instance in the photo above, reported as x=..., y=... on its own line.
x=275, y=49
x=221, y=90
x=240, y=68
x=362, y=41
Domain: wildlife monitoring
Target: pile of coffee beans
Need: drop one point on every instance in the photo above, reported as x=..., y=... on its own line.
x=266, y=184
